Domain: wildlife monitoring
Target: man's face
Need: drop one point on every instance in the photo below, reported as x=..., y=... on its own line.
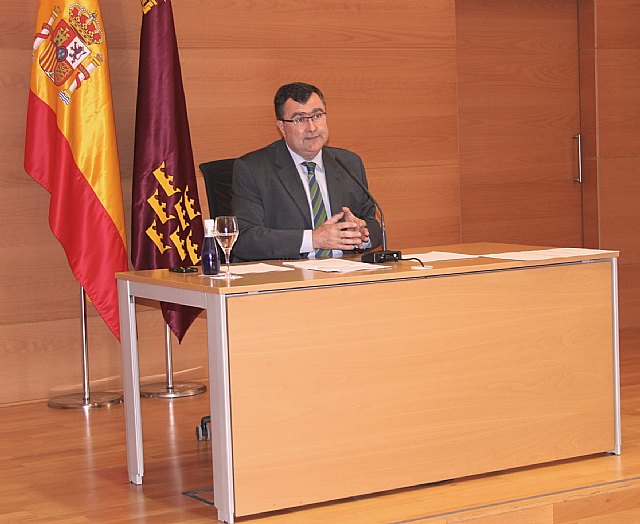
x=306, y=139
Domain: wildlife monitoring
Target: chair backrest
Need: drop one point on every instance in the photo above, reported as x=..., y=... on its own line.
x=218, y=175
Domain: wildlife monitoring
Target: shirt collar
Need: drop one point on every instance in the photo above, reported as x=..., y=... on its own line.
x=297, y=159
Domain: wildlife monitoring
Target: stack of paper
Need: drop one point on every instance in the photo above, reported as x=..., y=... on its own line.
x=334, y=265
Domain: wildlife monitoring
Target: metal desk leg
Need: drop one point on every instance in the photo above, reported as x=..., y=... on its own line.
x=131, y=382
x=617, y=449
x=218, y=351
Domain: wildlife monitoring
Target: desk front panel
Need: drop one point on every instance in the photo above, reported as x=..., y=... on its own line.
x=355, y=389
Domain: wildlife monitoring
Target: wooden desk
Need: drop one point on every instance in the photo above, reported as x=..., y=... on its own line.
x=325, y=386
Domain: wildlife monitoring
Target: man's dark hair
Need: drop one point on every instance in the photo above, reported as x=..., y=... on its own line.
x=298, y=92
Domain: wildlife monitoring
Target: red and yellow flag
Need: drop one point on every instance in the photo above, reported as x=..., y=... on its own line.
x=71, y=146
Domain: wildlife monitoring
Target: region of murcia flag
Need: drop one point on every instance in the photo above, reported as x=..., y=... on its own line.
x=166, y=220
x=71, y=146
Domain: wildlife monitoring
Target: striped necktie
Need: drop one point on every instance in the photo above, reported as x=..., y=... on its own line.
x=317, y=204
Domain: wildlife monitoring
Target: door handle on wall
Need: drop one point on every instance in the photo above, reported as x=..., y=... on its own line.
x=579, y=139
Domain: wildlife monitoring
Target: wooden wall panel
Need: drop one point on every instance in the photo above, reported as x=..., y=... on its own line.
x=34, y=263
x=588, y=113
x=619, y=196
x=44, y=359
x=18, y=24
x=618, y=108
x=617, y=90
x=315, y=25
x=629, y=304
x=588, y=125
x=518, y=111
x=364, y=112
x=401, y=193
x=258, y=24
x=389, y=73
x=586, y=24
x=590, y=204
x=617, y=24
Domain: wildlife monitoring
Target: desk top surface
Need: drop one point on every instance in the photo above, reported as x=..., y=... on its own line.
x=300, y=278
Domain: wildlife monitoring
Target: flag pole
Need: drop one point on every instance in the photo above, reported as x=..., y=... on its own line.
x=170, y=389
x=85, y=399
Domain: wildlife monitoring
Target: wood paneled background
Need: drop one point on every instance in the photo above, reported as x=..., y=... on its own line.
x=519, y=110
x=394, y=77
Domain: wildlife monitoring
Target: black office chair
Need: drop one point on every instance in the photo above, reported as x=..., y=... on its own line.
x=218, y=175
x=217, y=178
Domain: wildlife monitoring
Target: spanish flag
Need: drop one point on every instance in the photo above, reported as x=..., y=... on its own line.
x=71, y=146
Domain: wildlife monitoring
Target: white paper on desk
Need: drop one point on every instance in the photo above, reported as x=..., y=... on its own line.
x=334, y=265
x=257, y=268
x=546, y=254
x=435, y=256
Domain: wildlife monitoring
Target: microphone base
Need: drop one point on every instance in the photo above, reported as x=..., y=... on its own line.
x=382, y=257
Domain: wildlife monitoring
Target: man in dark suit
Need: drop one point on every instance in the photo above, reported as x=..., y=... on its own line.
x=292, y=198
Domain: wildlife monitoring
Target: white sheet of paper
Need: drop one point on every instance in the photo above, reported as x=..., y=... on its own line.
x=334, y=265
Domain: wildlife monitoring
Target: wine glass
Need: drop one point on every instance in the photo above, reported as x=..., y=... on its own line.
x=225, y=232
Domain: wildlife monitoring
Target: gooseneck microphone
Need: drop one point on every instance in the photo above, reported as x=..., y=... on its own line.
x=384, y=255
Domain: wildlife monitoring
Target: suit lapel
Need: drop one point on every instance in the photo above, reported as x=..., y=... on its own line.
x=335, y=182
x=290, y=179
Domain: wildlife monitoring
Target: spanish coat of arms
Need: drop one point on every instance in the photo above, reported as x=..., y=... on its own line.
x=67, y=47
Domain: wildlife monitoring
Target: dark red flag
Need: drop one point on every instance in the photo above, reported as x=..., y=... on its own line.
x=166, y=221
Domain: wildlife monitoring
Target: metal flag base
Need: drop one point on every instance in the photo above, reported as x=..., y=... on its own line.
x=86, y=399
x=169, y=389
x=78, y=400
x=179, y=389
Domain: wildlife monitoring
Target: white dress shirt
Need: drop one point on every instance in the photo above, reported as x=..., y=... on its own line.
x=321, y=178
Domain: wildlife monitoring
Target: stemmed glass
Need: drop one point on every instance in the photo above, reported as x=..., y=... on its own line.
x=226, y=232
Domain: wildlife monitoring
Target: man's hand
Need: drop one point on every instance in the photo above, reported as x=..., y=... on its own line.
x=342, y=231
x=361, y=225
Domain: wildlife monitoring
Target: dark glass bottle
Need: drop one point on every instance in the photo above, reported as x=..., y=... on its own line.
x=209, y=257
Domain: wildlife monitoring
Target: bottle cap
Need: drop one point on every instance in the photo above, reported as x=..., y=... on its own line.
x=209, y=227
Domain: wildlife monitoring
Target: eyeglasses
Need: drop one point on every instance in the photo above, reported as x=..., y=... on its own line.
x=302, y=120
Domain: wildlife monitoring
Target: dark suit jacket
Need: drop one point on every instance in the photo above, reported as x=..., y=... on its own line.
x=272, y=208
